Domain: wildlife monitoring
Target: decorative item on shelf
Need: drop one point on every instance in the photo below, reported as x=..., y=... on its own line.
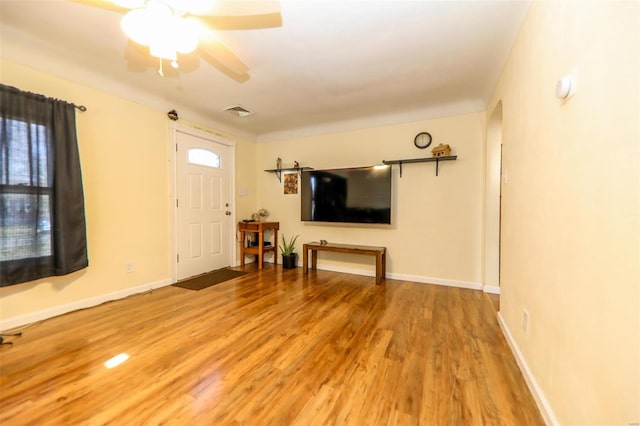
x=434, y=159
x=173, y=115
x=288, y=250
x=260, y=216
x=278, y=172
x=441, y=151
x=278, y=163
x=422, y=140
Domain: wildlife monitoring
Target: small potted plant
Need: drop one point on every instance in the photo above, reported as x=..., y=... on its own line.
x=288, y=250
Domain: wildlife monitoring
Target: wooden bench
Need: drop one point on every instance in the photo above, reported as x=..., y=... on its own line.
x=315, y=247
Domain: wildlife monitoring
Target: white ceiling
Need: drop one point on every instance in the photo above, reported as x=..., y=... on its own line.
x=332, y=65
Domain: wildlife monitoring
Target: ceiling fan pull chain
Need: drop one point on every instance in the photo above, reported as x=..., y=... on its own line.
x=160, y=69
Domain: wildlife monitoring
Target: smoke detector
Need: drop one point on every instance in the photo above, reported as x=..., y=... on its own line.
x=239, y=110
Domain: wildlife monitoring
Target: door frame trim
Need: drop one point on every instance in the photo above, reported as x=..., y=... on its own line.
x=174, y=129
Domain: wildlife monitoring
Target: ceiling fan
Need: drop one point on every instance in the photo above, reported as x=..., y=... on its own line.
x=169, y=27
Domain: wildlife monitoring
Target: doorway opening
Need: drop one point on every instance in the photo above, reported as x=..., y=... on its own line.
x=493, y=201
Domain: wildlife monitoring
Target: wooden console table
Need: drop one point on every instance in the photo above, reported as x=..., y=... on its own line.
x=260, y=249
x=378, y=252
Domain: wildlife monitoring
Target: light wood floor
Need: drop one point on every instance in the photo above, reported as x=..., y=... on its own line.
x=271, y=348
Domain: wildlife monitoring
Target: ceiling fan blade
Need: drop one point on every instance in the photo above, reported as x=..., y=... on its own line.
x=246, y=22
x=217, y=54
x=229, y=8
x=236, y=14
x=115, y=5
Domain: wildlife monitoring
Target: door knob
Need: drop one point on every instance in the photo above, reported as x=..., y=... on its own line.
x=228, y=213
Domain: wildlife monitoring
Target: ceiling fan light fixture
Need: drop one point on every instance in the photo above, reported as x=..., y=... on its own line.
x=129, y=4
x=138, y=27
x=184, y=35
x=163, y=51
x=155, y=25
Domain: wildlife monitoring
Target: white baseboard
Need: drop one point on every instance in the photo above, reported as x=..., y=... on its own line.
x=493, y=289
x=404, y=277
x=438, y=281
x=538, y=395
x=19, y=321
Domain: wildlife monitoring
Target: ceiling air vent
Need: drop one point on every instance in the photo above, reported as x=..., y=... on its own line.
x=238, y=110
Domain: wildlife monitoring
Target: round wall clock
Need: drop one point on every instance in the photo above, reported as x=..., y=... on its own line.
x=422, y=140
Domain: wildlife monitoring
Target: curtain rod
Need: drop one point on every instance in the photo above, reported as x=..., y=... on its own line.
x=40, y=97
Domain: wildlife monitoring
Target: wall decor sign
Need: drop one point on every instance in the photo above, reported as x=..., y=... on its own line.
x=291, y=183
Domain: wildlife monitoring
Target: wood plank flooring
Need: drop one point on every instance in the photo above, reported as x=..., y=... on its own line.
x=271, y=348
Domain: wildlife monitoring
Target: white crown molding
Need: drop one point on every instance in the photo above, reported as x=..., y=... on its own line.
x=54, y=67
x=447, y=110
x=59, y=68
x=10, y=323
x=538, y=395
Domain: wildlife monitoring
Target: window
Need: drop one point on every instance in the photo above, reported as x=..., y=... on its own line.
x=25, y=231
x=42, y=223
x=203, y=157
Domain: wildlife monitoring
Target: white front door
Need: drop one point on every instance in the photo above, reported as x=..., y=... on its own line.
x=202, y=204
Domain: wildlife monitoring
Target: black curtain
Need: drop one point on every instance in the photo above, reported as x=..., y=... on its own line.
x=42, y=220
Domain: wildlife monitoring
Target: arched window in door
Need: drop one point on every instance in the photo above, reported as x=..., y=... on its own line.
x=203, y=157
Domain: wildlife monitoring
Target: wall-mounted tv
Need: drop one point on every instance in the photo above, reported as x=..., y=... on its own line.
x=355, y=195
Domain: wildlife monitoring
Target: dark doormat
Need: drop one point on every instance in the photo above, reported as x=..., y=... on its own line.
x=209, y=279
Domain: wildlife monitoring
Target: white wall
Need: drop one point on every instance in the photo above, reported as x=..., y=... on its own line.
x=436, y=231
x=571, y=216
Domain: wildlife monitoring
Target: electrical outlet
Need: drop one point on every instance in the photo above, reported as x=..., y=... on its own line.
x=525, y=321
x=129, y=267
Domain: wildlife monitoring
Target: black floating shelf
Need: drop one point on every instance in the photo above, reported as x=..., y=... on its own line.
x=437, y=160
x=278, y=172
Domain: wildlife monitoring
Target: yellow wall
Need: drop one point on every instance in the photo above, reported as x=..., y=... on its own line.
x=570, y=218
x=437, y=221
x=125, y=164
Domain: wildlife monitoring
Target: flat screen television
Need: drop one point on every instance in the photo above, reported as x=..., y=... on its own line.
x=355, y=195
